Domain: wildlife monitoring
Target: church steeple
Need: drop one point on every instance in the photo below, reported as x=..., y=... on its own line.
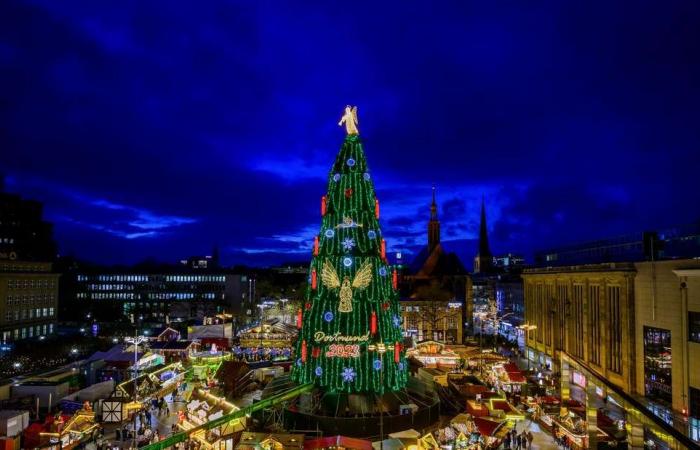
x=483, y=261
x=433, y=226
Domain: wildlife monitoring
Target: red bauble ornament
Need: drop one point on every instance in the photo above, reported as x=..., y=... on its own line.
x=323, y=205
x=373, y=323
x=313, y=279
x=315, y=245
x=376, y=208
x=299, y=316
x=307, y=306
x=348, y=192
x=385, y=306
x=303, y=351
x=316, y=352
x=395, y=279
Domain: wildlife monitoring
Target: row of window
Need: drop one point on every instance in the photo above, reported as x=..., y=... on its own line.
x=146, y=278
x=33, y=283
x=27, y=332
x=25, y=314
x=150, y=296
x=27, y=300
x=7, y=241
x=196, y=278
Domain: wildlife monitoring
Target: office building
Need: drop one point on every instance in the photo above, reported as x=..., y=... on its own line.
x=160, y=295
x=629, y=332
x=28, y=300
x=24, y=235
x=28, y=288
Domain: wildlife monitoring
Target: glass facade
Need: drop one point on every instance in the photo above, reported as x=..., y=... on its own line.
x=657, y=364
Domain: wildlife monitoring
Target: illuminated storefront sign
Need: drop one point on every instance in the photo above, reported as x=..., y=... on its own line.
x=579, y=379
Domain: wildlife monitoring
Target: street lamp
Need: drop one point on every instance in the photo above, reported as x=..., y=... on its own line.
x=135, y=341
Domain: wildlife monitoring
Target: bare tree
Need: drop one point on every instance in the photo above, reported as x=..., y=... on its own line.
x=433, y=301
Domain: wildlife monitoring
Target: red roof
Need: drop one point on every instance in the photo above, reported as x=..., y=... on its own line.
x=516, y=377
x=338, y=441
x=511, y=367
x=486, y=427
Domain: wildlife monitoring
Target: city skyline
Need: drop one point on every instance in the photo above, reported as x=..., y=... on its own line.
x=216, y=126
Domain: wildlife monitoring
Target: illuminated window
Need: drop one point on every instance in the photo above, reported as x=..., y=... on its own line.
x=694, y=326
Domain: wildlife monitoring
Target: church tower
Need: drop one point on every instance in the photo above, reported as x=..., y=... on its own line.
x=483, y=261
x=433, y=226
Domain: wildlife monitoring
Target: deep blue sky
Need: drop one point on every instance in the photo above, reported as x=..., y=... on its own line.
x=161, y=129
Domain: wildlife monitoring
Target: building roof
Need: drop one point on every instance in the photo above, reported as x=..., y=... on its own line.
x=436, y=263
x=171, y=345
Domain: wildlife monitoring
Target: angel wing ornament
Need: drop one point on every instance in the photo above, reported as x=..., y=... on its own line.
x=362, y=279
x=350, y=120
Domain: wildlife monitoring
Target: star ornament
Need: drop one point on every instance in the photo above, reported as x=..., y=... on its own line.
x=349, y=374
x=348, y=244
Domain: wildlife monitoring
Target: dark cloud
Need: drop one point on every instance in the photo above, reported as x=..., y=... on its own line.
x=216, y=124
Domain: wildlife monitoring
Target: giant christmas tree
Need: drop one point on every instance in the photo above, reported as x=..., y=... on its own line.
x=350, y=325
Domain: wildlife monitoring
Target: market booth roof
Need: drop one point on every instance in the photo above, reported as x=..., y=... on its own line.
x=338, y=441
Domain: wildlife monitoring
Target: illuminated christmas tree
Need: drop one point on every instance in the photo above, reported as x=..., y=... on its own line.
x=350, y=325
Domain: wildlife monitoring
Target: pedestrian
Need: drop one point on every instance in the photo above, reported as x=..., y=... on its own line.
x=518, y=442
x=506, y=441
x=530, y=438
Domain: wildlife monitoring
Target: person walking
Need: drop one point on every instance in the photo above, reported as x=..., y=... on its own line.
x=530, y=438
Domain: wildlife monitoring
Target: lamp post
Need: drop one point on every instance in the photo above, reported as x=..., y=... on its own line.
x=135, y=341
x=381, y=349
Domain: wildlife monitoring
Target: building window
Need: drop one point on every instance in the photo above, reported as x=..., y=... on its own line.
x=577, y=319
x=694, y=326
x=595, y=324
x=615, y=330
x=657, y=364
x=695, y=404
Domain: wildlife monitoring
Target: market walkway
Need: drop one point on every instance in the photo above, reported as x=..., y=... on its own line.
x=542, y=439
x=161, y=422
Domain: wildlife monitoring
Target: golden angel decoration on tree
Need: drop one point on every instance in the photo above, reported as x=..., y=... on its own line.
x=350, y=120
x=362, y=279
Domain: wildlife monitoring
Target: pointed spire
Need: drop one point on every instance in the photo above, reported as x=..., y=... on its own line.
x=433, y=226
x=433, y=207
x=483, y=260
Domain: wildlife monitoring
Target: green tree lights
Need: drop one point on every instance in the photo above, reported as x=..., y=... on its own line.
x=350, y=336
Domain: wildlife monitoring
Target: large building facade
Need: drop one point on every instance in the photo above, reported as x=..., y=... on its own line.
x=155, y=296
x=632, y=326
x=586, y=312
x=28, y=288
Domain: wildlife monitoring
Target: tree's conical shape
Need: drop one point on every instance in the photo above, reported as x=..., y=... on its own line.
x=351, y=326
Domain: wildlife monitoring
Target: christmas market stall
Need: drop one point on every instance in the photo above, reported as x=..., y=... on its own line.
x=204, y=407
x=271, y=339
x=337, y=442
x=270, y=441
x=205, y=364
x=126, y=399
x=433, y=354
x=62, y=432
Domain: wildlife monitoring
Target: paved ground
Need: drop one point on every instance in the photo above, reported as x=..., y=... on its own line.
x=543, y=440
x=162, y=422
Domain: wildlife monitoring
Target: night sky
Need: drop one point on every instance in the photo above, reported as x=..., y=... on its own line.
x=159, y=129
